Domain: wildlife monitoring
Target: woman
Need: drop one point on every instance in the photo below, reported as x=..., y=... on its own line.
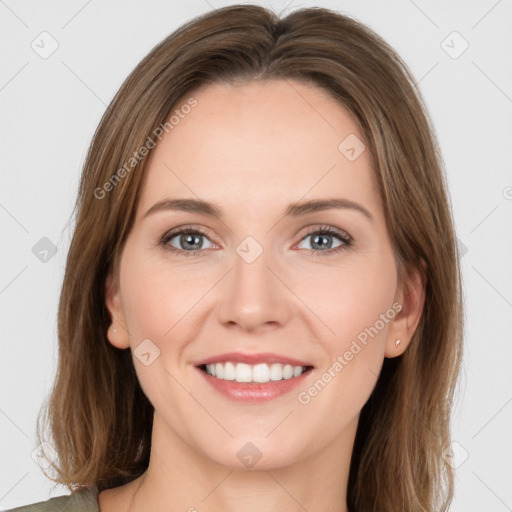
x=261, y=307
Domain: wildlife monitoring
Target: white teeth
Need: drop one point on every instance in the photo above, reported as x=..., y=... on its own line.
x=288, y=371
x=243, y=372
x=229, y=371
x=261, y=373
x=276, y=371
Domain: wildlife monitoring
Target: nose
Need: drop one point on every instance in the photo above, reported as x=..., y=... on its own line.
x=254, y=295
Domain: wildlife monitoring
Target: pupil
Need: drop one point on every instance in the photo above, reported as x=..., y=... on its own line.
x=322, y=237
x=192, y=239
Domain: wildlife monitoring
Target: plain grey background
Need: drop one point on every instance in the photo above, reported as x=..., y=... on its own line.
x=461, y=53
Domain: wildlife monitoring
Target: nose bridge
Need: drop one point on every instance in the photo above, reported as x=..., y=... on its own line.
x=253, y=294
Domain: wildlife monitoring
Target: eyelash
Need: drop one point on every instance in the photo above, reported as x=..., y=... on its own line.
x=325, y=230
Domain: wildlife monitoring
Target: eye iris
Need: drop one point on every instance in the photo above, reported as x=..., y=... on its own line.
x=321, y=245
x=188, y=239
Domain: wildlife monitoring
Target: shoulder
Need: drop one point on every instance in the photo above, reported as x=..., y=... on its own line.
x=85, y=500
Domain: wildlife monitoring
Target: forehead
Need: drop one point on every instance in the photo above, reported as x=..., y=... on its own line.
x=260, y=143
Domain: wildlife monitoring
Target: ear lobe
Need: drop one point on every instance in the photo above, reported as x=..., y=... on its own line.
x=411, y=297
x=117, y=333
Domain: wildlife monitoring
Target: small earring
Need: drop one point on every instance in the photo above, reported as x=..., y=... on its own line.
x=397, y=342
x=115, y=330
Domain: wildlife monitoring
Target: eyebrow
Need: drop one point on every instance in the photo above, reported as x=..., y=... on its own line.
x=293, y=210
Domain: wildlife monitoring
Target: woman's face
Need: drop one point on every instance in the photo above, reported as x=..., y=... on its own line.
x=259, y=281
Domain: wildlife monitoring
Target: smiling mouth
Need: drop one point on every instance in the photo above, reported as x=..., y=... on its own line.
x=258, y=373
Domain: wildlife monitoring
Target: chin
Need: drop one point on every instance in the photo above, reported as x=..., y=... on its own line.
x=258, y=454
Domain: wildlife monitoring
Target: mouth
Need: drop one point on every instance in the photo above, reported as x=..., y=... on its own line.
x=259, y=373
x=253, y=377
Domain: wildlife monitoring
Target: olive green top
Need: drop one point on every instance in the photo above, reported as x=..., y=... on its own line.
x=85, y=500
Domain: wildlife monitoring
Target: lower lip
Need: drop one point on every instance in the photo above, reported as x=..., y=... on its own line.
x=253, y=391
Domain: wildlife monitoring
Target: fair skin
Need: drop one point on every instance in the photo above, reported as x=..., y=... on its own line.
x=253, y=149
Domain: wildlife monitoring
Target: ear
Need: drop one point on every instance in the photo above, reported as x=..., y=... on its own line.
x=411, y=297
x=117, y=333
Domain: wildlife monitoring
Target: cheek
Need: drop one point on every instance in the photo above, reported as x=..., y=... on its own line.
x=156, y=297
x=354, y=302
x=351, y=298
x=156, y=301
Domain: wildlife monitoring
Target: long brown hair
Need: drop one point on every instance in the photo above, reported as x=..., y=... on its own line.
x=99, y=419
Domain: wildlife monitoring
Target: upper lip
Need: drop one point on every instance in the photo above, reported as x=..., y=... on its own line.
x=262, y=357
